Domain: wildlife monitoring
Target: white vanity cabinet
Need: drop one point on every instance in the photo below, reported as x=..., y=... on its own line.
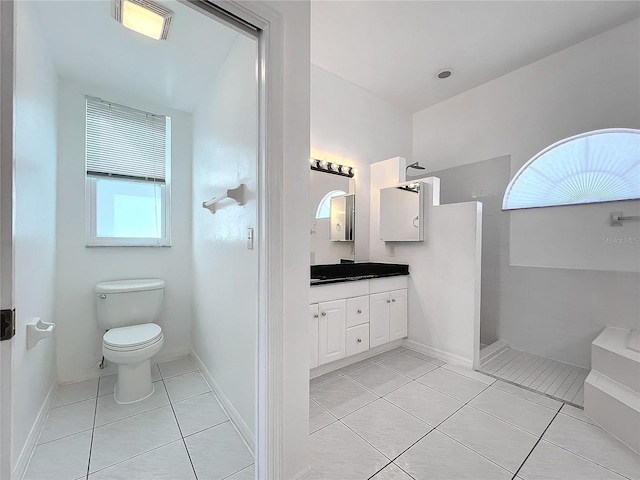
x=348, y=318
x=331, y=331
x=313, y=335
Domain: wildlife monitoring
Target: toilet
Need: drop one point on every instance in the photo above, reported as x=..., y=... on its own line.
x=127, y=309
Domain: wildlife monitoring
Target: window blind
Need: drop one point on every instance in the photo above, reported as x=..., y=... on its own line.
x=125, y=142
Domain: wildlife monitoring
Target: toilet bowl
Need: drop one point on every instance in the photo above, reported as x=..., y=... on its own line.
x=131, y=348
x=128, y=309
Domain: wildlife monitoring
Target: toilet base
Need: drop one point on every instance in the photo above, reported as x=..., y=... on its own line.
x=134, y=383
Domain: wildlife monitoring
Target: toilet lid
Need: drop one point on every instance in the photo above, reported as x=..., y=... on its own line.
x=133, y=336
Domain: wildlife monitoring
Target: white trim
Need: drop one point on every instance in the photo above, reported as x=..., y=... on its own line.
x=7, y=108
x=32, y=438
x=345, y=362
x=243, y=429
x=270, y=338
x=437, y=353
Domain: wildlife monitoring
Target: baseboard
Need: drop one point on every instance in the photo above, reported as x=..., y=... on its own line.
x=304, y=474
x=245, y=432
x=437, y=353
x=344, y=362
x=30, y=444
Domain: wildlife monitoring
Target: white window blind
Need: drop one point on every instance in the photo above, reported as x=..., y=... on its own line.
x=125, y=142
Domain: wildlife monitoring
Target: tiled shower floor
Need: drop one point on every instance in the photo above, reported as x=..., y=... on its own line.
x=549, y=377
x=402, y=415
x=179, y=433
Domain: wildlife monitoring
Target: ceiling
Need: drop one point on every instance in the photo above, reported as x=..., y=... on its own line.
x=394, y=49
x=88, y=45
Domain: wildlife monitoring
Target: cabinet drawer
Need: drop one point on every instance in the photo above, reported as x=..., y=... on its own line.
x=357, y=311
x=357, y=339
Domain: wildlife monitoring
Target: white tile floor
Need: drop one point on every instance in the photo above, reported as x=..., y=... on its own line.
x=181, y=432
x=403, y=416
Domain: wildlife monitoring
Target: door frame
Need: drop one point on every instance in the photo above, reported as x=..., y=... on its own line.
x=270, y=359
x=7, y=88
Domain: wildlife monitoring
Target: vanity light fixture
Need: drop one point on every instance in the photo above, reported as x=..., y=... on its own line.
x=143, y=16
x=331, y=167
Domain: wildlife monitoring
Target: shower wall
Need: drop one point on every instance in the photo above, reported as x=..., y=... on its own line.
x=484, y=182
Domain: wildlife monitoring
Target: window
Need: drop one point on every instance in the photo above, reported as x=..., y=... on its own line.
x=324, y=207
x=127, y=175
x=598, y=166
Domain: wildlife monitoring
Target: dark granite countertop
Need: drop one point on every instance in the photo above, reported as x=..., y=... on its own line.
x=351, y=272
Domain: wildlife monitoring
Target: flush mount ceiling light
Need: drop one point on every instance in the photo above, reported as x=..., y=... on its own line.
x=144, y=17
x=446, y=73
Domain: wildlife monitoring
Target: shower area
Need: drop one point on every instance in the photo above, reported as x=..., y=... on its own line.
x=537, y=323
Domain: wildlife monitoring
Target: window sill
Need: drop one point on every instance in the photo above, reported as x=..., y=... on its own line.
x=127, y=242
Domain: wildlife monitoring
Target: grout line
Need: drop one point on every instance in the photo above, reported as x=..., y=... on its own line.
x=179, y=428
x=93, y=429
x=536, y=444
x=208, y=428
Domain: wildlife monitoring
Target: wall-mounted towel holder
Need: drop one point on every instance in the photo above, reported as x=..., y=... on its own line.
x=617, y=218
x=236, y=194
x=37, y=330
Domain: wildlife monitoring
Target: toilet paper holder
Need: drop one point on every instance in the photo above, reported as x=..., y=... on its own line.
x=37, y=330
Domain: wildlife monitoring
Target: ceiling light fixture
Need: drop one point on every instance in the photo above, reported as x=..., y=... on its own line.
x=144, y=17
x=446, y=73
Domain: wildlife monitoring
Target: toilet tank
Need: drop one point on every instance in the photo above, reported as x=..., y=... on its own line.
x=122, y=303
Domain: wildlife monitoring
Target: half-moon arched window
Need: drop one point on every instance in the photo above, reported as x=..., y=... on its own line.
x=324, y=207
x=598, y=166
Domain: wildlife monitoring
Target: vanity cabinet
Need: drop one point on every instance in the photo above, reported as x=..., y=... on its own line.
x=331, y=331
x=314, y=315
x=352, y=317
x=388, y=317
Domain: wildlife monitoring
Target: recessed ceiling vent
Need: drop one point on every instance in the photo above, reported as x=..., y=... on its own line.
x=446, y=73
x=144, y=17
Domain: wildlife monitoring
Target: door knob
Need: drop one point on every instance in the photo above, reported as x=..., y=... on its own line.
x=359, y=311
x=315, y=315
x=359, y=340
x=388, y=301
x=393, y=299
x=324, y=314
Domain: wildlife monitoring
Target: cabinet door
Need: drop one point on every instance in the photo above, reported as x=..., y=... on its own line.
x=379, y=319
x=398, y=315
x=332, y=331
x=357, y=339
x=357, y=311
x=313, y=335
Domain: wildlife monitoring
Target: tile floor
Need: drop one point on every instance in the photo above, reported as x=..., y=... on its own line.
x=559, y=380
x=179, y=433
x=403, y=415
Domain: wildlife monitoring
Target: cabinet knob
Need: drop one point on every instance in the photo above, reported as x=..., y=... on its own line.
x=393, y=299
x=359, y=311
x=388, y=301
x=359, y=340
x=315, y=315
x=324, y=314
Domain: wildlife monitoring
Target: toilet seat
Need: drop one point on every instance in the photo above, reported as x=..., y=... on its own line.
x=136, y=337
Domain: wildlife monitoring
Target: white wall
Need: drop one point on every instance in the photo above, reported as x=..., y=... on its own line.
x=592, y=85
x=483, y=182
x=34, y=373
x=225, y=272
x=80, y=268
x=444, y=281
x=353, y=127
